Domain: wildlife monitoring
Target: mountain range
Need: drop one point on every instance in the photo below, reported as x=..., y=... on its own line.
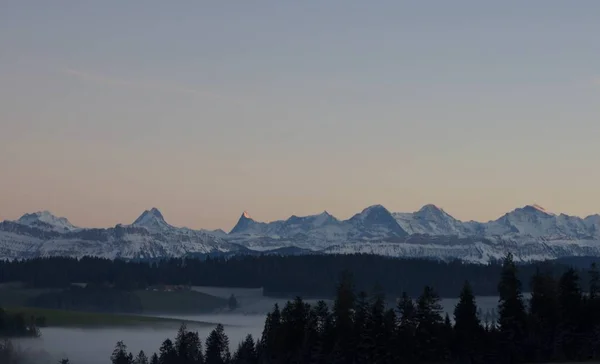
x=530, y=233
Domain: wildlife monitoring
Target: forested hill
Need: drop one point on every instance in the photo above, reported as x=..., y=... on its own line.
x=309, y=276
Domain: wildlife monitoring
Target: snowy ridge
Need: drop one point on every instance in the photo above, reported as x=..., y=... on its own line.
x=529, y=232
x=150, y=236
x=45, y=220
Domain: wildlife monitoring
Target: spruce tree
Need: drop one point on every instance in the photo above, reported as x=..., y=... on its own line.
x=168, y=353
x=246, y=352
x=141, y=358
x=467, y=326
x=325, y=341
x=511, y=308
x=429, y=328
x=217, y=347
x=270, y=339
x=390, y=337
x=405, y=342
x=343, y=313
x=294, y=322
x=592, y=313
x=570, y=306
x=120, y=354
x=188, y=347
x=360, y=335
x=376, y=327
x=544, y=315
x=594, y=284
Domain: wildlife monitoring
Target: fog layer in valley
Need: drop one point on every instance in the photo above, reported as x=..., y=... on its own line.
x=94, y=346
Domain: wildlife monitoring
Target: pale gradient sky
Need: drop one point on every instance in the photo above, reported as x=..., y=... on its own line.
x=208, y=108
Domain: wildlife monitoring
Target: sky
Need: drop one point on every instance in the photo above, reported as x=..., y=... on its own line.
x=205, y=109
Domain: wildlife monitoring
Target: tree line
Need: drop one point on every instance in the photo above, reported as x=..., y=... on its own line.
x=560, y=322
x=288, y=276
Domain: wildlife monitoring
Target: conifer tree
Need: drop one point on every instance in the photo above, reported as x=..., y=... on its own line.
x=429, y=327
x=570, y=306
x=246, y=352
x=376, y=327
x=467, y=326
x=390, y=337
x=343, y=313
x=168, y=353
x=141, y=358
x=120, y=354
x=405, y=338
x=361, y=321
x=270, y=340
x=188, y=347
x=294, y=323
x=217, y=347
x=511, y=308
x=325, y=335
x=592, y=313
x=594, y=285
x=544, y=315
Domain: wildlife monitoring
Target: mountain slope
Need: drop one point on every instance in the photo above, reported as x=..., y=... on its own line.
x=45, y=220
x=529, y=232
x=431, y=220
x=148, y=237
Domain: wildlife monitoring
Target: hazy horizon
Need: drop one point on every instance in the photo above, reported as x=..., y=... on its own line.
x=205, y=110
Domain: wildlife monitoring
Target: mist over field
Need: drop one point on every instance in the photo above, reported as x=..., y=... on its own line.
x=94, y=346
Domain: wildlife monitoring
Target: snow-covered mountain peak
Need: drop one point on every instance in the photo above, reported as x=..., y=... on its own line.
x=431, y=220
x=45, y=220
x=432, y=211
x=430, y=208
x=152, y=219
x=373, y=209
x=537, y=208
x=378, y=218
x=530, y=220
x=243, y=224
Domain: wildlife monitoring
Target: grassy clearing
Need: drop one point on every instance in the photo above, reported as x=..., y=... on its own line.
x=179, y=302
x=15, y=296
x=61, y=318
x=175, y=302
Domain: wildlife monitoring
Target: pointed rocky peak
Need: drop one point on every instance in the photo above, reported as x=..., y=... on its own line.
x=378, y=217
x=47, y=221
x=323, y=218
x=152, y=219
x=325, y=215
x=244, y=223
x=431, y=211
